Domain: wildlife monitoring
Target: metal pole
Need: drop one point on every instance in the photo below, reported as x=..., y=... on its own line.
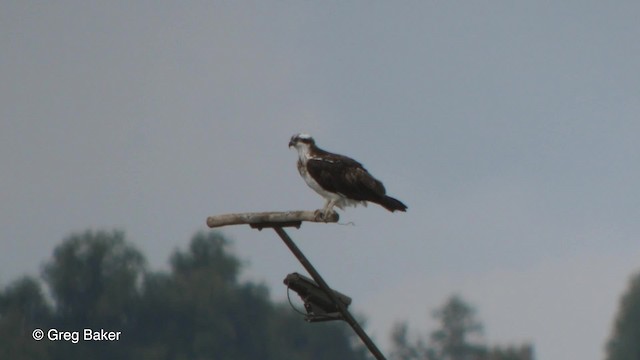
x=323, y=285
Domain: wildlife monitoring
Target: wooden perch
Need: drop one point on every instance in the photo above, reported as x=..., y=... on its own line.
x=271, y=218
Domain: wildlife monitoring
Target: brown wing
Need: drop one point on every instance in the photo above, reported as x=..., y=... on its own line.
x=345, y=176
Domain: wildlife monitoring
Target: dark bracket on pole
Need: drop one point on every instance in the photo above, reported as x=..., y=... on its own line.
x=318, y=305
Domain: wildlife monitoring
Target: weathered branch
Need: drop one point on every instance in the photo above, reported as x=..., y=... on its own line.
x=270, y=217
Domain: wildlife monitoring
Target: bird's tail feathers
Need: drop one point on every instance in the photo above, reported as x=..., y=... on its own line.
x=392, y=204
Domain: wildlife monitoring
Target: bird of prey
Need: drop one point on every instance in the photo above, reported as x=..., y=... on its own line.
x=339, y=179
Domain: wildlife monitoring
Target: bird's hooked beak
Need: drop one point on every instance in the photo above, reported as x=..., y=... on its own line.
x=291, y=143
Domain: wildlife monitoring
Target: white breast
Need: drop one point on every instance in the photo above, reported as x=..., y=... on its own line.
x=314, y=184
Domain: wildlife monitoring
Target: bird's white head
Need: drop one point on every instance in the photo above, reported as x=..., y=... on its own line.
x=302, y=142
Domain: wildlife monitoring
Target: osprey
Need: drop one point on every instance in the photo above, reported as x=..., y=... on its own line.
x=341, y=180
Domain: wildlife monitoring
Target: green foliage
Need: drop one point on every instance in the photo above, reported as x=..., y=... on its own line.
x=208, y=254
x=625, y=339
x=403, y=349
x=453, y=340
x=198, y=310
x=22, y=309
x=93, y=277
x=524, y=352
x=457, y=325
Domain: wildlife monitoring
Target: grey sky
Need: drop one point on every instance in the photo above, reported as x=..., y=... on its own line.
x=509, y=129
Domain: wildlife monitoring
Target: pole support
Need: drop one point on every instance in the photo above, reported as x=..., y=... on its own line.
x=278, y=220
x=325, y=287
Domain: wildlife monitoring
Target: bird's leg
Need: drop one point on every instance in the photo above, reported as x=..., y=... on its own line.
x=328, y=208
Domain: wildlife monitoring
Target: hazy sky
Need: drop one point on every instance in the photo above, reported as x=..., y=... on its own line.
x=509, y=129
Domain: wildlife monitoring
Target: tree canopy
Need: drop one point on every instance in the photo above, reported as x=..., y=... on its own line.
x=624, y=343
x=456, y=338
x=197, y=310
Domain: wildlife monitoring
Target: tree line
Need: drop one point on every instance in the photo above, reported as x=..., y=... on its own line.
x=197, y=310
x=200, y=310
x=457, y=338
